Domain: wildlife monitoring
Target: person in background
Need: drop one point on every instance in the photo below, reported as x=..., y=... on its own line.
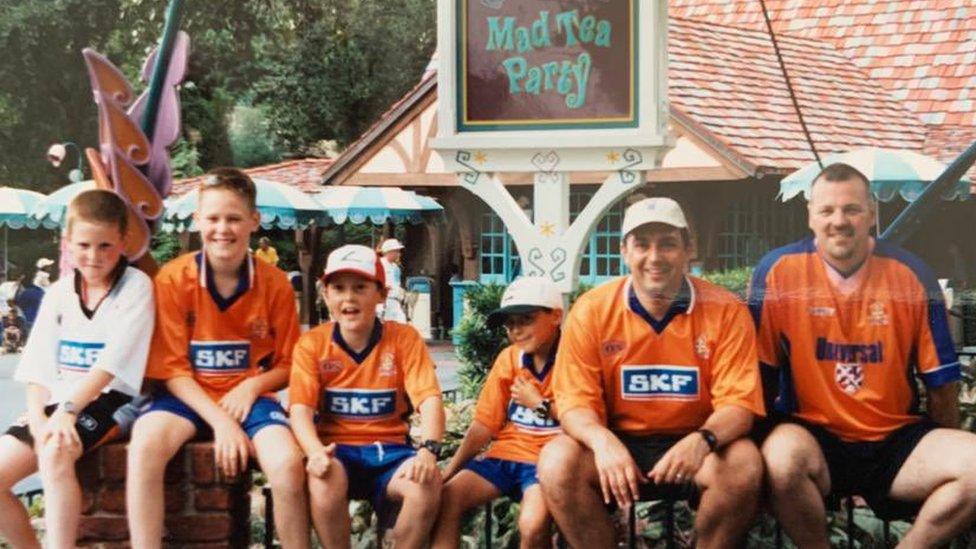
x=391, y=252
x=29, y=302
x=13, y=332
x=266, y=251
x=42, y=277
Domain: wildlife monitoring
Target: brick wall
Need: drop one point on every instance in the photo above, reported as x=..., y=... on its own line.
x=202, y=509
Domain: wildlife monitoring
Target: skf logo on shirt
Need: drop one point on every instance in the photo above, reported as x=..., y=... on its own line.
x=527, y=420
x=217, y=358
x=659, y=383
x=363, y=404
x=78, y=356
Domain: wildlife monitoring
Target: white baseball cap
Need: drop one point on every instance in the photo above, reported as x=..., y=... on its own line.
x=354, y=258
x=525, y=295
x=44, y=262
x=653, y=210
x=390, y=244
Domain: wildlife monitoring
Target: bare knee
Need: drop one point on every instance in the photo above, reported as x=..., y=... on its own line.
x=533, y=526
x=426, y=494
x=743, y=472
x=558, y=463
x=287, y=475
x=788, y=454
x=330, y=492
x=57, y=461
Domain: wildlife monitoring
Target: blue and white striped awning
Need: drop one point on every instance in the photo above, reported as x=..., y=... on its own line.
x=49, y=212
x=16, y=206
x=281, y=207
x=358, y=205
x=891, y=173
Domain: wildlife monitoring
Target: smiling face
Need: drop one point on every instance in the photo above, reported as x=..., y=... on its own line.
x=96, y=249
x=352, y=299
x=657, y=255
x=535, y=331
x=226, y=223
x=841, y=215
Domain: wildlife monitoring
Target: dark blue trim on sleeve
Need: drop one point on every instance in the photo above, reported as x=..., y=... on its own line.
x=938, y=320
x=942, y=375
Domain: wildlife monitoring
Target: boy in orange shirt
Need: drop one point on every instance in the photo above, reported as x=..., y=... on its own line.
x=225, y=328
x=359, y=379
x=514, y=414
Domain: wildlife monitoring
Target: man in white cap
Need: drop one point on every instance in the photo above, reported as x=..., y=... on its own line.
x=42, y=278
x=656, y=384
x=391, y=251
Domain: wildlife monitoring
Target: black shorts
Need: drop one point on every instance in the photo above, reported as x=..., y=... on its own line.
x=647, y=451
x=95, y=424
x=868, y=469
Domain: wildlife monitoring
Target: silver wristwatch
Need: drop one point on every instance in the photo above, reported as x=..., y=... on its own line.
x=68, y=407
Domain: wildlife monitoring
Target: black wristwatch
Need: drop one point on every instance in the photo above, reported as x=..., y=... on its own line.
x=544, y=409
x=710, y=439
x=433, y=447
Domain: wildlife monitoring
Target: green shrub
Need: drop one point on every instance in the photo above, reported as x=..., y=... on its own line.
x=734, y=280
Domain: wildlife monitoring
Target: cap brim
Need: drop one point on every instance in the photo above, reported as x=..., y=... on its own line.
x=364, y=274
x=498, y=316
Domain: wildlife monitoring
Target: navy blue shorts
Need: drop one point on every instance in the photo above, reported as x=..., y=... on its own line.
x=512, y=478
x=264, y=412
x=868, y=469
x=370, y=467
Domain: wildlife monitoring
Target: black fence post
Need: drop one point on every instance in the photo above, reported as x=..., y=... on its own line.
x=669, y=523
x=268, y=518
x=488, y=524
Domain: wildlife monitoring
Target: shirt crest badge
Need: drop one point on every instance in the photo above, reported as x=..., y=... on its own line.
x=849, y=376
x=877, y=314
x=387, y=366
x=259, y=328
x=701, y=348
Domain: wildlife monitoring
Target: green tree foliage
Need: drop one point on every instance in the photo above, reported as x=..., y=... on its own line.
x=349, y=61
x=314, y=70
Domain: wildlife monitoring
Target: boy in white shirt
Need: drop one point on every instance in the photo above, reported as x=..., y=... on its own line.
x=84, y=359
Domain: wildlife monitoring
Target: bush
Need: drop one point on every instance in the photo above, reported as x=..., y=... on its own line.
x=735, y=280
x=478, y=345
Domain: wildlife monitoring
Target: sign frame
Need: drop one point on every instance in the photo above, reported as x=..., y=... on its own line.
x=586, y=147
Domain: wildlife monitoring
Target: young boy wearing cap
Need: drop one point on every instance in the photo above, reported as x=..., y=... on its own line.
x=657, y=384
x=360, y=378
x=225, y=328
x=79, y=367
x=514, y=414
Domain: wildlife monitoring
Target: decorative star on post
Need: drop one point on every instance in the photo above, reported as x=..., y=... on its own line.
x=480, y=157
x=547, y=229
x=613, y=157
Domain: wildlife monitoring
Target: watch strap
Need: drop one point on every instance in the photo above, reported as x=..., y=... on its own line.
x=710, y=439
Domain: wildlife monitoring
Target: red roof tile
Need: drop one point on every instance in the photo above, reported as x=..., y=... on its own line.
x=729, y=81
x=904, y=45
x=306, y=174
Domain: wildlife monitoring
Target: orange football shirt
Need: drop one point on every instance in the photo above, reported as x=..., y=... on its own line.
x=848, y=362
x=221, y=342
x=368, y=397
x=645, y=377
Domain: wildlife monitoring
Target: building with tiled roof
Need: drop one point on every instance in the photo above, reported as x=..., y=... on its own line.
x=305, y=174
x=857, y=80
x=922, y=51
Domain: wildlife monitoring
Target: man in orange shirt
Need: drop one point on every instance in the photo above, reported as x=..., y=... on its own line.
x=849, y=322
x=656, y=384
